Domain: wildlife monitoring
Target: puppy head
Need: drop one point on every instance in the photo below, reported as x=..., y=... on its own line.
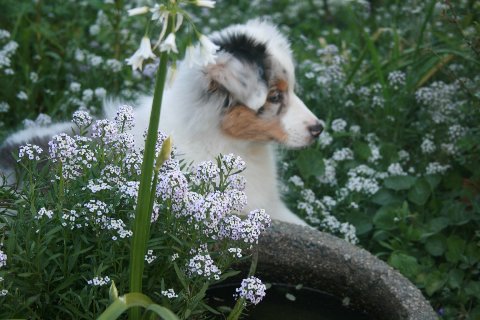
x=254, y=77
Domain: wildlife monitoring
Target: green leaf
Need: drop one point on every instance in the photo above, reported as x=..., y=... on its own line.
x=290, y=296
x=180, y=276
x=135, y=299
x=384, y=218
x=473, y=288
x=438, y=224
x=436, y=245
x=400, y=182
x=406, y=264
x=384, y=197
x=420, y=192
x=361, y=222
x=310, y=163
x=434, y=282
x=455, y=278
x=455, y=248
x=433, y=180
x=362, y=150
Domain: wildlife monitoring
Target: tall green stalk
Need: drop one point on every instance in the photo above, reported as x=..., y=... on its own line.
x=141, y=227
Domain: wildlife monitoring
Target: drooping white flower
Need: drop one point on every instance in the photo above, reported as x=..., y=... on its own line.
x=143, y=53
x=208, y=50
x=179, y=21
x=138, y=11
x=169, y=44
x=205, y=3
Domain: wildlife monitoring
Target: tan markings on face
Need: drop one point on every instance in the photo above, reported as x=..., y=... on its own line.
x=243, y=123
x=282, y=85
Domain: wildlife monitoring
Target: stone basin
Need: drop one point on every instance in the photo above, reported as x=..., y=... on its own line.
x=292, y=254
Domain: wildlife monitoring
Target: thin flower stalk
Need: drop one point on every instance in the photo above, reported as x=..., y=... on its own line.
x=141, y=228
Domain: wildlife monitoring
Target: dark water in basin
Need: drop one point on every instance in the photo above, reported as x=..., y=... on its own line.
x=308, y=304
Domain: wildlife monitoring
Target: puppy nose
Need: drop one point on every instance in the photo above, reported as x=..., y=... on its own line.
x=315, y=130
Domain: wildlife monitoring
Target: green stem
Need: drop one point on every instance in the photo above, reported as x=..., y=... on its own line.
x=141, y=228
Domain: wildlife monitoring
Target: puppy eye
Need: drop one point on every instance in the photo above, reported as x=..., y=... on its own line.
x=260, y=111
x=275, y=97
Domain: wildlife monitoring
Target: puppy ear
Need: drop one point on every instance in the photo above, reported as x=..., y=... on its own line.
x=240, y=70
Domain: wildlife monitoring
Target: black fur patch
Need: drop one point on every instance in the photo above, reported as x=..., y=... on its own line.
x=245, y=48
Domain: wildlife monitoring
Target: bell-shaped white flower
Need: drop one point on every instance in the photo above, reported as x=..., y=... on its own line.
x=205, y=3
x=208, y=50
x=138, y=11
x=169, y=44
x=143, y=53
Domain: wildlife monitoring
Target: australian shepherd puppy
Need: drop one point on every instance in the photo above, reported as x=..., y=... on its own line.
x=243, y=103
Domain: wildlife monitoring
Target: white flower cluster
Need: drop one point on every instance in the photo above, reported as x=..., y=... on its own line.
x=4, y=107
x=44, y=212
x=428, y=146
x=74, y=154
x=206, y=172
x=71, y=219
x=82, y=118
x=169, y=293
x=338, y=125
x=105, y=129
x=342, y=154
x=395, y=169
x=201, y=264
x=362, y=179
x=3, y=259
x=436, y=168
x=325, y=139
x=124, y=118
x=251, y=289
x=99, y=281
x=440, y=100
x=317, y=213
x=396, y=79
x=30, y=151
x=3, y=263
x=237, y=252
x=329, y=176
x=150, y=257
x=6, y=53
x=232, y=163
x=245, y=230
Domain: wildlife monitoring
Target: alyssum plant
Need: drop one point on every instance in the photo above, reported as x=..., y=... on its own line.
x=94, y=211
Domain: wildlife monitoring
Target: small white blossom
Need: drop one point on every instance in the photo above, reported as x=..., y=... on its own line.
x=338, y=125
x=44, y=212
x=169, y=293
x=138, y=11
x=205, y=3
x=436, y=168
x=428, y=146
x=22, y=95
x=144, y=52
x=99, y=281
x=169, y=44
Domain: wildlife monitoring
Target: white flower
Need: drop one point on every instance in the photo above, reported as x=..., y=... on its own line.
x=179, y=21
x=205, y=3
x=22, y=95
x=138, y=11
x=208, y=50
x=338, y=125
x=169, y=44
x=143, y=53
